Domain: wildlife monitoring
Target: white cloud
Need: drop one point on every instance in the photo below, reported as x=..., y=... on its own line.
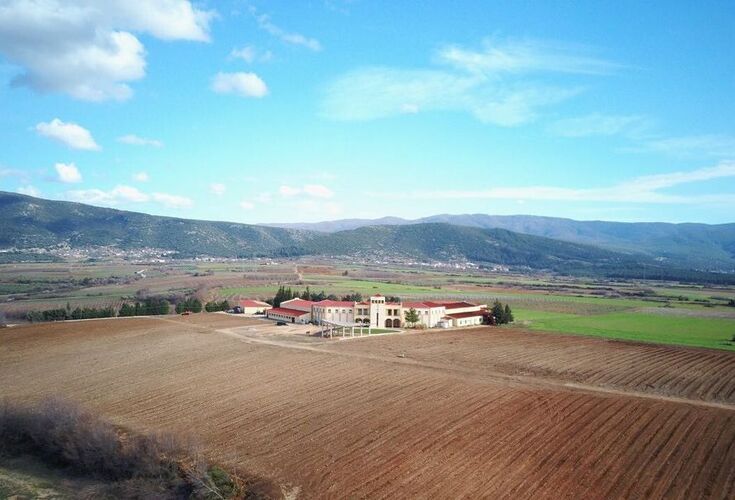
x=119, y=194
x=643, y=189
x=73, y=135
x=292, y=38
x=264, y=198
x=172, y=200
x=141, y=177
x=243, y=84
x=247, y=205
x=217, y=188
x=68, y=173
x=29, y=191
x=600, y=125
x=491, y=83
x=289, y=190
x=86, y=48
x=309, y=190
x=251, y=54
x=318, y=191
x=378, y=92
x=714, y=145
x=136, y=140
x=524, y=56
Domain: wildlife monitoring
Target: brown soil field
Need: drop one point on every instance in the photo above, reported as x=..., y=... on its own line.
x=474, y=413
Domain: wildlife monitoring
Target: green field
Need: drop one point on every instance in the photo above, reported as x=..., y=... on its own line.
x=715, y=333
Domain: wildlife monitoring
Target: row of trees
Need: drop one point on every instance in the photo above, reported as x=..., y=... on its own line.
x=215, y=306
x=191, y=304
x=284, y=294
x=151, y=306
x=61, y=313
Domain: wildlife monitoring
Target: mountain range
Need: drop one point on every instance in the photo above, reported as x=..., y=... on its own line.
x=701, y=246
x=521, y=242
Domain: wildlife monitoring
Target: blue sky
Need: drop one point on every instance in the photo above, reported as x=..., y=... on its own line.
x=304, y=111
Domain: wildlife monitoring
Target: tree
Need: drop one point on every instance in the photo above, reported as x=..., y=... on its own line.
x=498, y=312
x=412, y=316
x=507, y=314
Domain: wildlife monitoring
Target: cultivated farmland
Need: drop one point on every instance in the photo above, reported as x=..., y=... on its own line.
x=485, y=412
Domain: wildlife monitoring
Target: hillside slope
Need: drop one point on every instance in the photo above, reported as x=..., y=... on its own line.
x=702, y=246
x=31, y=223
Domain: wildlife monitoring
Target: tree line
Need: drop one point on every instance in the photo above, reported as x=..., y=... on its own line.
x=285, y=294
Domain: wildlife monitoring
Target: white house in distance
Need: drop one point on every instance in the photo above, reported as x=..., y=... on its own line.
x=378, y=313
x=249, y=306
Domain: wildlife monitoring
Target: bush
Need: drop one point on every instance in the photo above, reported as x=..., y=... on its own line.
x=215, y=306
x=61, y=434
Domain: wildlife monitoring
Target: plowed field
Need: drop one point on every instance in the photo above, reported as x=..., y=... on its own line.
x=476, y=413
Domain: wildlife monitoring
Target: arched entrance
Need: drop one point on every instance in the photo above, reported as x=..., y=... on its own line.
x=396, y=323
x=388, y=323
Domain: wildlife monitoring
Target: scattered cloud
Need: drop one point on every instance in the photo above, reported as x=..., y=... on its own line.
x=715, y=145
x=73, y=135
x=29, y=191
x=643, y=189
x=136, y=140
x=172, y=200
x=251, y=54
x=87, y=49
x=289, y=191
x=498, y=56
x=217, y=188
x=318, y=191
x=601, y=125
x=264, y=198
x=292, y=38
x=243, y=84
x=141, y=177
x=312, y=190
x=12, y=172
x=68, y=173
x=247, y=205
x=119, y=194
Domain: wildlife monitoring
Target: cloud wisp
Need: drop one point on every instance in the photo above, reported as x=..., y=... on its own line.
x=644, y=189
x=312, y=190
x=495, y=85
x=289, y=37
x=86, y=49
x=136, y=140
x=73, y=135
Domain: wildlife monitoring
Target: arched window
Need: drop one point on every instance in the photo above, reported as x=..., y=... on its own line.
x=396, y=323
x=388, y=323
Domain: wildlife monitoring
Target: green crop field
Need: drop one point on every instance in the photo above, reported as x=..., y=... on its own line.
x=715, y=333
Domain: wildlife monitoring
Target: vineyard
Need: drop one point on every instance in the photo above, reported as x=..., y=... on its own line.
x=475, y=413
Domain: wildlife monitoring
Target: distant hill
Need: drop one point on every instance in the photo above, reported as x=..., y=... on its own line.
x=30, y=223
x=702, y=246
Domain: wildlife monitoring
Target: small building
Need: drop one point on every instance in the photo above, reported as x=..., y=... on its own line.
x=469, y=318
x=291, y=311
x=288, y=315
x=250, y=306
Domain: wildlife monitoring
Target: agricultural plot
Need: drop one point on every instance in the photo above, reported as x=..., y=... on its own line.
x=476, y=413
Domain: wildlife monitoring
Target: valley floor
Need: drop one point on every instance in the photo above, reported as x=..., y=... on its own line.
x=468, y=413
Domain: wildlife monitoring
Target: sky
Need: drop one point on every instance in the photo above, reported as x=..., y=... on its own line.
x=282, y=111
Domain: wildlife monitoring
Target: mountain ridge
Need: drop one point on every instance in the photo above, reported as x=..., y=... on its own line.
x=33, y=223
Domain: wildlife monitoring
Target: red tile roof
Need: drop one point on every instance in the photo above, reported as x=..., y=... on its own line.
x=253, y=303
x=467, y=314
x=458, y=305
x=334, y=303
x=299, y=303
x=286, y=312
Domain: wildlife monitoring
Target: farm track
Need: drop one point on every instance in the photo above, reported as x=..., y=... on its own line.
x=466, y=414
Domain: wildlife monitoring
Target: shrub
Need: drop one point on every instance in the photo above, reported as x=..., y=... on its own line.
x=61, y=434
